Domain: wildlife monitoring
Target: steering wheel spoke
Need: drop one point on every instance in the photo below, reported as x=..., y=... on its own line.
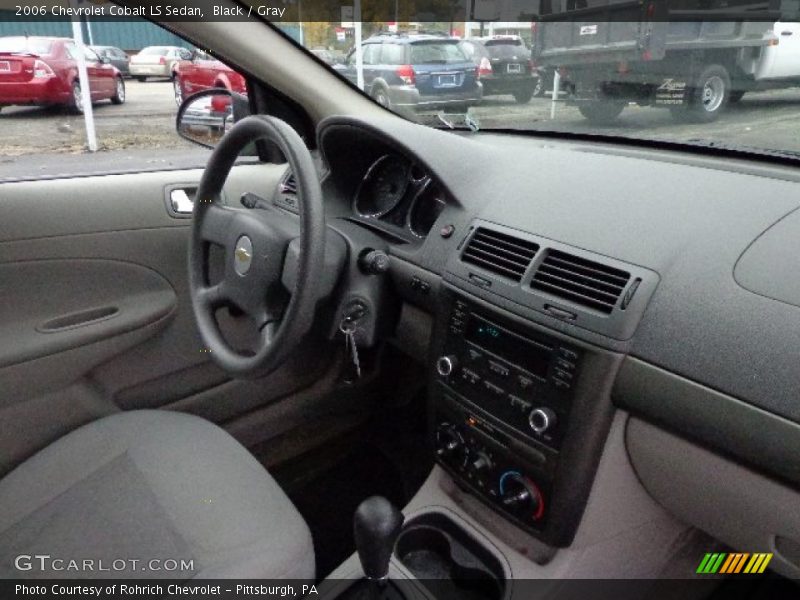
x=217, y=221
x=213, y=296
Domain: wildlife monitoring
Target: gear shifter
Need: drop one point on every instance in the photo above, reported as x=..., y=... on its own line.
x=376, y=526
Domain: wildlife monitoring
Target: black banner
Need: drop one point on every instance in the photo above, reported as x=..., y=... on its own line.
x=710, y=587
x=403, y=11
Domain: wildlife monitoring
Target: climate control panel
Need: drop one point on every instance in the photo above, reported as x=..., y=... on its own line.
x=487, y=462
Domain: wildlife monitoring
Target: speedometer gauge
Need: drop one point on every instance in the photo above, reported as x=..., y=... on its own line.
x=383, y=187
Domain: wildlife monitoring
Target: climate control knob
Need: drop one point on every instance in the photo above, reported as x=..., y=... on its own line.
x=541, y=419
x=446, y=365
x=450, y=444
x=481, y=463
x=520, y=496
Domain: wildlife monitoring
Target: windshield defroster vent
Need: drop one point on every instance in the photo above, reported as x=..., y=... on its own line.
x=499, y=253
x=581, y=281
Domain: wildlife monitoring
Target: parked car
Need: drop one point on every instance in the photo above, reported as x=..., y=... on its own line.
x=157, y=61
x=414, y=71
x=43, y=71
x=203, y=72
x=116, y=57
x=505, y=66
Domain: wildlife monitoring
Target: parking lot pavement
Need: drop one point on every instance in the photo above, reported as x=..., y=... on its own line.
x=143, y=129
x=146, y=120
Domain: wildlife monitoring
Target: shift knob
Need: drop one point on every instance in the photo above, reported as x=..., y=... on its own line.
x=376, y=526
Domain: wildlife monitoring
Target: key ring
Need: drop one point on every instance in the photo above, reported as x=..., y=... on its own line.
x=347, y=326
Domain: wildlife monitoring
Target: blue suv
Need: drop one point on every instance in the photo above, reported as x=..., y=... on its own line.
x=416, y=71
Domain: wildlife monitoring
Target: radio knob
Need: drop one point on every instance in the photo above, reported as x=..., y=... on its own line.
x=446, y=365
x=520, y=495
x=541, y=419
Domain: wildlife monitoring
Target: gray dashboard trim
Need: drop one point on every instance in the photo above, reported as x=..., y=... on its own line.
x=720, y=422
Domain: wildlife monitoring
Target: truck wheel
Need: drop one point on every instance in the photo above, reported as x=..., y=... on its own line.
x=524, y=96
x=708, y=98
x=601, y=112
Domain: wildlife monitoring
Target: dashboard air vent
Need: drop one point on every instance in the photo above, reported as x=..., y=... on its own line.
x=289, y=185
x=581, y=281
x=499, y=253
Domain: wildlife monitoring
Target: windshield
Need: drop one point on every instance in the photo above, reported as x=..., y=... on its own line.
x=730, y=84
x=23, y=45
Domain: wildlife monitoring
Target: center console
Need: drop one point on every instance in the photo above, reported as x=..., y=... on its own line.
x=511, y=421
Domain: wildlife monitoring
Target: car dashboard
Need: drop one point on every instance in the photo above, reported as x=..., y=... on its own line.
x=569, y=280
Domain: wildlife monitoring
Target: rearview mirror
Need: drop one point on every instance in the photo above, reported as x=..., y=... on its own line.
x=203, y=118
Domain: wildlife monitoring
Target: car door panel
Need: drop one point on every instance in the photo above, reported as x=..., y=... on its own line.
x=101, y=243
x=97, y=299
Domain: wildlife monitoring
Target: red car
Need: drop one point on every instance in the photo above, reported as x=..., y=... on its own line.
x=204, y=72
x=43, y=71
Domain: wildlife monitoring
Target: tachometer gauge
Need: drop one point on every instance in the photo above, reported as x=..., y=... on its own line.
x=383, y=187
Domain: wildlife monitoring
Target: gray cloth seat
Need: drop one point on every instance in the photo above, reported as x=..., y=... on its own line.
x=149, y=486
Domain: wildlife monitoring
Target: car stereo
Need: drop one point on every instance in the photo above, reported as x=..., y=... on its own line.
x=523, y=381
x=501, y=404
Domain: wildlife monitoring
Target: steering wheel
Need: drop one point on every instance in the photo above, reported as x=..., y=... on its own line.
x=280, y=296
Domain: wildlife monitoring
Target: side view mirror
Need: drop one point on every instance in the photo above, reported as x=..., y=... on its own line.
x=204, y=117
x=105, y=60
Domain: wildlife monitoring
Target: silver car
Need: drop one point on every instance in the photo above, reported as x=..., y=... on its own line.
x=157, y=61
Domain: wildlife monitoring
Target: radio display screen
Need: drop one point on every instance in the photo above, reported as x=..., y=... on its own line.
x=524, y=353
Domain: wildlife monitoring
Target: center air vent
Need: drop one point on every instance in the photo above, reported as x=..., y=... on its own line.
x=499, y=253
x=289, y=185
x=581, y=281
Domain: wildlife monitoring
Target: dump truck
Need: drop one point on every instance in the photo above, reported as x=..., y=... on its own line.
x=693, y=61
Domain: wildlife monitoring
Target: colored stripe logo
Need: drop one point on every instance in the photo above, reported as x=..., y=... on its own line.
x=736, y=562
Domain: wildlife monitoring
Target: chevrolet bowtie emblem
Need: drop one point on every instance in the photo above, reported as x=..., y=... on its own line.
x=242, y=254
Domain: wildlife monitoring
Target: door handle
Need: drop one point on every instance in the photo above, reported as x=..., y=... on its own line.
x=180, y=201
x=787, y=33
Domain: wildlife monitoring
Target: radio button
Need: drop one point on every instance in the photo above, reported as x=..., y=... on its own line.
x=568, y=354
x=565, y=364
x=498, y=368
x=524, y=382
x=494, y=388
x=518, y=403
x=562, y=374
x=470, y=376
x=474, y=354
